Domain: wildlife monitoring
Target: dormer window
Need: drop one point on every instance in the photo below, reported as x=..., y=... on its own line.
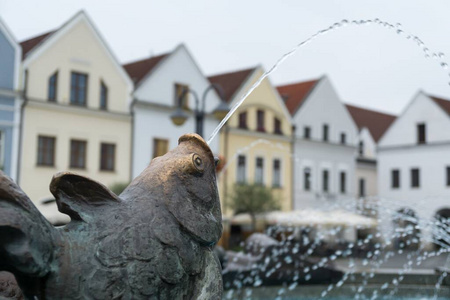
x=243, y=120
x=78, y=89
x=277, y=126
x=181, y=94
x=260, y=120
x=103, y=96
x=52, y=87
x=421, y=133
x=325, y=133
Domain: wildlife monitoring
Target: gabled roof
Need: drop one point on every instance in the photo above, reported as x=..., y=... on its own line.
x=443, y=103
x=231, y=82
x=30, y=44
x=376, y=122
x=137, y=70
x=294, y=94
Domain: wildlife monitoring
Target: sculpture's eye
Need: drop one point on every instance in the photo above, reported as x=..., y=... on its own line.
x=216, y=161
x=198, y=162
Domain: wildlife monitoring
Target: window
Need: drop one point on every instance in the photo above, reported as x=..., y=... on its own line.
x=52, y=87
x=421, y=133
x=259, y=178
x=78, y=154
x=307, y=132
x=276, y=179
x=325, y=132
x=343, y=138
x=415, y=178
x=307, y=179
x=2, y=149
x=362, y=187
x=160, y=147
x=361, y=148
x=277, y=126
x=343, y=182
x=46, y=151
x=78, y=89
x=182, y=94
x=448, y=176
x=325, y=178
x=260, y=120
x=103, y=96
x=243, y=120
x=107, y=157
x=395, y=179
x=241, y=169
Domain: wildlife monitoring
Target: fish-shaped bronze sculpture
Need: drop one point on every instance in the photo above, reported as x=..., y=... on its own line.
x=154, y=241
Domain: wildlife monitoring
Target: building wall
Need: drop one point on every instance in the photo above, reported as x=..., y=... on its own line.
x=252, y=144
x=323, y=106
x=398, y=149
x=78, y=49
x=66, y=123
x=9, y=102
x=156, y=103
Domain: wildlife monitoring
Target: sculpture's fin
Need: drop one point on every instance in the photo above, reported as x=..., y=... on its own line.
x=26, y=237
x=79, y=196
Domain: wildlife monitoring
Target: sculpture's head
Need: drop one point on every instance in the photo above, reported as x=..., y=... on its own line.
x=186, y=177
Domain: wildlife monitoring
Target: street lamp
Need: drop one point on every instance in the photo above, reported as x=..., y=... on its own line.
x=180, y=116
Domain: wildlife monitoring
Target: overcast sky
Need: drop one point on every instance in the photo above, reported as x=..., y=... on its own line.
x=369, y=65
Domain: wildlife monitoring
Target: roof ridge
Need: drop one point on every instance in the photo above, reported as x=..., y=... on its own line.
x=371, y=110
x=232, y=72
x=144, y=59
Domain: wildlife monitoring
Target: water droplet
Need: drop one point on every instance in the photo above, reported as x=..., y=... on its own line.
x=441, y=55
x=444, y=65
x=292, y=286
x=385, y=286
x=308, y=277
x=258, y=282
x=399, y=31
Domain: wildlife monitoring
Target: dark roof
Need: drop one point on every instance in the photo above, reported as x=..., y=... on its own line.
x=230, y=82
x=30, y=44
x=443, y=103
x=376, y=122
x=294, y=94
x=139, y=69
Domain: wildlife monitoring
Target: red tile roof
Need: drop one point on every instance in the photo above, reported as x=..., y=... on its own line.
x=230, y=82
x=294, y=94
x=139, y=69
x=30, y=44
x=376, y=122
x=443, y=103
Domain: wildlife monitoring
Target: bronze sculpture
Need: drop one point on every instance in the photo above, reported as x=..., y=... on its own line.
x=154, y=241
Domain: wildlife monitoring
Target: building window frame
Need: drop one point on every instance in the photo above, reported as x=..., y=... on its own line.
x=2, y=149
x=78, y=154
x=343, y=138
x=415, y=178
x=276, y=174
x=46, y=151
x=259, y=170
x=160, y=147
x=79, y=88
x=243, y=120
x=362, y=187
x=241, y=169
x=325, y=181
x=107, y=157
x=448, y=175
x=260, y=120
x=343, y=182
x=307, y=179
x=179, y=88
x=277, y=126
x=103, y=95
x=325, y=132
x=361, y=148
x=307, y=132
x=421, y=133
x=395, y=178
x=53, y=87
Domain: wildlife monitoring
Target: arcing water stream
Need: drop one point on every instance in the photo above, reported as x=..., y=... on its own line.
x=439, y=56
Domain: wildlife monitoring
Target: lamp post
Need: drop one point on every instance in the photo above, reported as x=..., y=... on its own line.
x=179, y=117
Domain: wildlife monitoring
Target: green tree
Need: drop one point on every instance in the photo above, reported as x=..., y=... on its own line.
x=252, y=199
x=117, y=188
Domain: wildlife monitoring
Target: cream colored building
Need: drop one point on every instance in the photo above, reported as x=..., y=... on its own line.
x=256, y=142
x=76, y=115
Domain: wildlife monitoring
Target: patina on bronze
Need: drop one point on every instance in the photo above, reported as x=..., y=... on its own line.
x=154, y=241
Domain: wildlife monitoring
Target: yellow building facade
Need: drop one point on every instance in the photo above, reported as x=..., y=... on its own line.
x=76, y=113
x=256, y=141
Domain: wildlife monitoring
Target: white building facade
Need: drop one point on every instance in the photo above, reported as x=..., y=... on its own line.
x=158, y=83
x=414, y=165
x=324, y=145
